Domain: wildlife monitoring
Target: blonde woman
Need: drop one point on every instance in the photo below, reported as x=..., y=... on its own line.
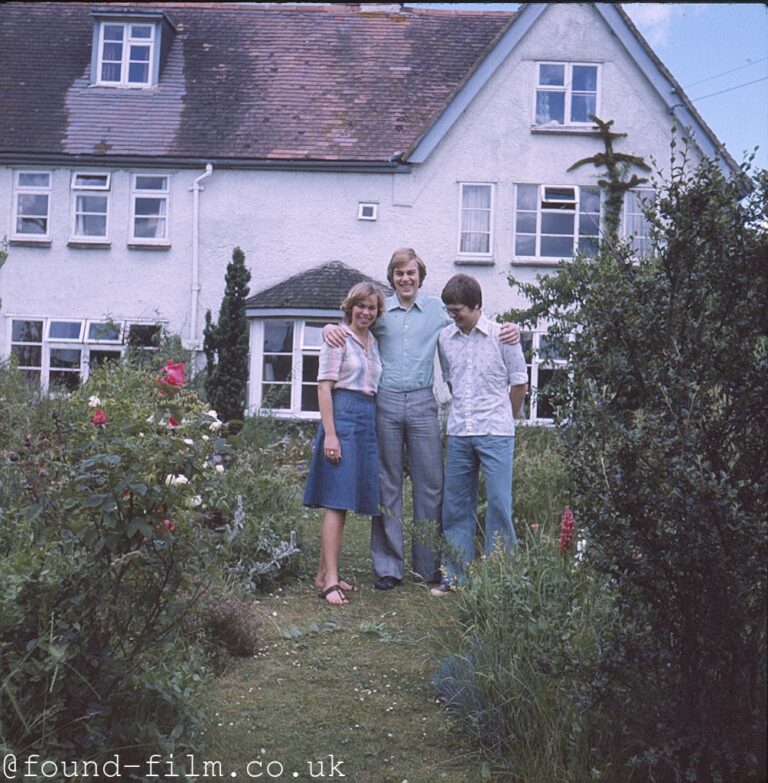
x=344, y=471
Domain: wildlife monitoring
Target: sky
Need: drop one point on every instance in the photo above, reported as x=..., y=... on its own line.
x=718, y=53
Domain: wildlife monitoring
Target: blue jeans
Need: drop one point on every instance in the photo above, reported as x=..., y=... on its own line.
x=493, y=454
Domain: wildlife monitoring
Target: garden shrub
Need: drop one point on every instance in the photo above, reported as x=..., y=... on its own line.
x=665, y=430
x=520, y=635
x=101, y=555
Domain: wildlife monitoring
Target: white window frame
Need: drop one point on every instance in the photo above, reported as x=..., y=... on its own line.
x=162, y=194
x=80, y=188
x=299, y=349
x=476, y=254
x=536, y=364
x=632, y=216
x=31, y=190
x=82, y=343
x=125, y=59
x=567, y=90
x=546, y=195
x=367, y=210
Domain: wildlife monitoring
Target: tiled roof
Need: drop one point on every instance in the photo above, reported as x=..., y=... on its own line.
x=241, y=81
x=321, y=288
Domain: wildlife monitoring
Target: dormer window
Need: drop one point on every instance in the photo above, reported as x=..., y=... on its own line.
x=129, y=47
x=126, y=54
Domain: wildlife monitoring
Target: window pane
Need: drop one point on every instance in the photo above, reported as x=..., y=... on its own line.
x=278, y=368
x=552, y=74
x=525, y=245
x=309, y=368
x=113, y=32
x=91, y=226
x=475, y=243
x=110, y=72
x=146, y=182
x=476, y=196
x=550, y=107
x=275, y=395
x=139, y=54
x=313, y=333
x=103, y=331
x=278, y=337
x=588, y=246
x=557, y=247
x=557, y=223
x=589, y=225
x=64, y=330
x=94, y=204
x=33, y=204
x=144, y=335
x=65, y=358
x=138, y=73
x=28, y=355
x=581, y=107
x=91, y=180
x=545, y=397
x=149, y=228
x=141, y=31
x=64, y=379
x=32, y=226
x=526, y=222
x=309, y=398
x=34, y=179
x=585, y=78
x=527, y=196
x=590, y=199
x=113, y=53
x=100, y=358
x=27, y=332
x=150, y=206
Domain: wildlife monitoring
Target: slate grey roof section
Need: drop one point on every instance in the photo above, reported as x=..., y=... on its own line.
x=321, y=288
x=242, y=82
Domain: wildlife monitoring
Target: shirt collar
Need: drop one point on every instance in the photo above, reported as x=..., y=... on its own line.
x=393, y=303
x=483, y=325
x=346, y=327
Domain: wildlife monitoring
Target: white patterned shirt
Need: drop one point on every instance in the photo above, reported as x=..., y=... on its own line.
x=481, y=369
x=353, y=366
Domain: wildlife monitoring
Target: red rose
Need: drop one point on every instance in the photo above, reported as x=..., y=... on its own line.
x=99, y=418
x=165, y=526
x=171, y=377
x=172, y=422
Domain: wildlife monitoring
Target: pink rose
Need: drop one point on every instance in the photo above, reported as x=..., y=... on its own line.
x=166, y=526
x=99, y=418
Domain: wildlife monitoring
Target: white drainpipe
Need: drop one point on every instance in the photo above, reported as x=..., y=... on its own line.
x=196, y=188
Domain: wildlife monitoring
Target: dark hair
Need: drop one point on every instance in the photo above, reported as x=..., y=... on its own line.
x=358, y=294
x=402, y=256
x=463, y=290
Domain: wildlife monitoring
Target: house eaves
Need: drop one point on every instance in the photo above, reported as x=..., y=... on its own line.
x=669, y=91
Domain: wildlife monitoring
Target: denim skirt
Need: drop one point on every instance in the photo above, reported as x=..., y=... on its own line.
x=353, y=483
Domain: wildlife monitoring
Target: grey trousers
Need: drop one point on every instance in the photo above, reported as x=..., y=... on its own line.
x=407, y=421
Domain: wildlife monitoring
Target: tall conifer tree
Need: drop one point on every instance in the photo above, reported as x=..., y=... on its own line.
x=226, y=344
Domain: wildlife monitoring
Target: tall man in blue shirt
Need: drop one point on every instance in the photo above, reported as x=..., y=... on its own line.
x=407, y=419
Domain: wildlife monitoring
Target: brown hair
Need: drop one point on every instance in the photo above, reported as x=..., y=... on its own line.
x=403, y=256
x=357, y=294
x=463, y=290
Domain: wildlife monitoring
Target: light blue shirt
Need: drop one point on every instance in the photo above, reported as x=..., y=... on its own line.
x=407, y=341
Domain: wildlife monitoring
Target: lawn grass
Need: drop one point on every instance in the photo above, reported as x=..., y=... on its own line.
x=354, y=684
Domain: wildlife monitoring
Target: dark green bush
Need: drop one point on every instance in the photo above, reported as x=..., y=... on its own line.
x=665, y=426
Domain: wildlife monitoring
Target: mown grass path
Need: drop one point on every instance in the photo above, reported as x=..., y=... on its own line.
x=352, y=684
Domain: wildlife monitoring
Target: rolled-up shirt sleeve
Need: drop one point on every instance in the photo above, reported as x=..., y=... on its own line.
x=514, y=359
x=329, y=367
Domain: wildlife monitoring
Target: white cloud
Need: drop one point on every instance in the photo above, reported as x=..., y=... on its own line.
x=654, y=20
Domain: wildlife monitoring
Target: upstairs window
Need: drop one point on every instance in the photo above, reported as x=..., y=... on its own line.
x=126, y=53
x=566, y=94
x=475, y=237
x=149, y=209
x=90, y=209
x=32, y=204
x=556, y=222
